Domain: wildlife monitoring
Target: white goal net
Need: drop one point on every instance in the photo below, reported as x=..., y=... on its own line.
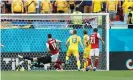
x=26, y=34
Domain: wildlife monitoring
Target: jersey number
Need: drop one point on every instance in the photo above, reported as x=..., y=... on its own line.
x=93, y=40
x=74, y=40
x=54, y=46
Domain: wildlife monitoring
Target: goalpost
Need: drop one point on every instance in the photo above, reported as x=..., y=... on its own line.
x=57, y=24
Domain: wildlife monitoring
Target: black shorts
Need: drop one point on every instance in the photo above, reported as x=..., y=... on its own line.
x=44, y=60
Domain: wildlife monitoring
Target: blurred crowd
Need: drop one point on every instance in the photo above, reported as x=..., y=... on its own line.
x=118, y=9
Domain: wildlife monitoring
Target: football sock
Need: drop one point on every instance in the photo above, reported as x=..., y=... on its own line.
x=28, y=58
x=85, y=64
x=57, y=66
x=89, y=62
x=96, y=62
x=78, y=64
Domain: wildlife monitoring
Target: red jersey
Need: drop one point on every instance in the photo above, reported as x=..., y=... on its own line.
x=94, y=39
x=51, y=44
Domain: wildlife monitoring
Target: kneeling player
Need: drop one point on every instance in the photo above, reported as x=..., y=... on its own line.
x=94, y=40
x=86, y=50
x=73, y=40
x=52, y=48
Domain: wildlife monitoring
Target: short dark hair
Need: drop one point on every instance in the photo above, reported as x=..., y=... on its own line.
x=74, y=32
x=129, y=7
x=95, y=30
x=49, y=35
x=85, y=32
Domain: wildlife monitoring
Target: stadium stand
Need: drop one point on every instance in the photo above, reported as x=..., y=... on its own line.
x=119, y=12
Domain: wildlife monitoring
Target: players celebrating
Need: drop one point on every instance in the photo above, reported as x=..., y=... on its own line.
x=87, y=49
x=94, y=41
x=73, y=40
x=52, y=48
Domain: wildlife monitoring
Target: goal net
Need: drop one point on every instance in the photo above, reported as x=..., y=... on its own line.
x=27, y=34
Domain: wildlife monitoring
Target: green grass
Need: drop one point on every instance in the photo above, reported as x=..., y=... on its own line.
x=69, y=75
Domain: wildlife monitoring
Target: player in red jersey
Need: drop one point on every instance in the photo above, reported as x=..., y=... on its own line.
x=94, y=41
x=53, y=49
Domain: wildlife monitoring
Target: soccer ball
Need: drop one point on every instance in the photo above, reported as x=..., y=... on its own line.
x=71, y=31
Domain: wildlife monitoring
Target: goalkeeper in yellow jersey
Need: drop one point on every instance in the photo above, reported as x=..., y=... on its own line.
x=73, y=42
x=86, y=50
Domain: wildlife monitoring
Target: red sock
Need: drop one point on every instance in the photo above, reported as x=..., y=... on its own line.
x=57, y=66
x=96, y=62
x=89, y=62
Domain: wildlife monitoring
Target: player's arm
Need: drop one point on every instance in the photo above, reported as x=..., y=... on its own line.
x=98, y=35
x=47, y=46
x=80, y=4
x=88, y=41
x=58, y=43
x=67, y=42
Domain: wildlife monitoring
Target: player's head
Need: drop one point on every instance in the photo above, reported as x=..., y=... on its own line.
x=49, y=35
x=95, y=30
x=85, y=32
x=74, y=32
x=130, y=9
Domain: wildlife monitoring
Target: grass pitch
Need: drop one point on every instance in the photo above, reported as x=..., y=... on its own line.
x=67, y=75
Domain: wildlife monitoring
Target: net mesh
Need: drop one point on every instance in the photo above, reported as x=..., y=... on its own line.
x=27, y=34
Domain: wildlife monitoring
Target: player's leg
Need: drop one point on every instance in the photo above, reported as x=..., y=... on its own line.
x=37, y=65
x=85, y=56
x=57, y=63
x=90, y=58
x=67, y=56
x=76, y=54
x=96, y=58
x=19, y=66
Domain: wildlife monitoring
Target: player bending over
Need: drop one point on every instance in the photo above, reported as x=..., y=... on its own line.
x=73, y=42
x=52, y=48
x=86, y=50
x=94, y=41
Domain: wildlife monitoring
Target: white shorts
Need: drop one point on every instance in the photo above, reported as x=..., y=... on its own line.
x=94, y=52
x=54, y=57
